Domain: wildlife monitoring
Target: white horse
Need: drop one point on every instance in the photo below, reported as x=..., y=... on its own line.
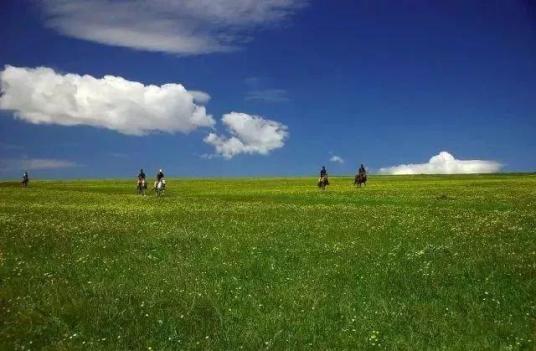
x=160, y=187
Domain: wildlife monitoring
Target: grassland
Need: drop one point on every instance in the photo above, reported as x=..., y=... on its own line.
x=406, y=263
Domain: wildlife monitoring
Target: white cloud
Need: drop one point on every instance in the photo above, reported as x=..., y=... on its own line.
x=249, y=135
x=40, y=95
x=268, y=95
x=444, y=163
x=32, y=164
x=181, y=27
x=200, y=97
x=336, y=159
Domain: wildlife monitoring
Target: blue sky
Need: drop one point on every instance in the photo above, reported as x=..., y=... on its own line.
x=382, y=83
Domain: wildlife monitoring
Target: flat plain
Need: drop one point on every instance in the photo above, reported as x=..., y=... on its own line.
x=407, y=263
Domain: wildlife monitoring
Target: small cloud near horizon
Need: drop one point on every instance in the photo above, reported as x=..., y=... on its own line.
x=34, y=164
x=444, y=163
x=336, y=159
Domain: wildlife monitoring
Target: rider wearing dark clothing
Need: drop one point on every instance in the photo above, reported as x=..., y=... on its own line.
x=141, y=176
x=361, y=176
x=323, y=176
x=323, y=172
x=142, y=185
x=159, y=175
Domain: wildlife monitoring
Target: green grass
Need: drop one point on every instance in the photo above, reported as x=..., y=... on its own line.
x=408, y=263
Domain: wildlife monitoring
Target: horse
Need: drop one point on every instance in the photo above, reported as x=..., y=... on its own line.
x=323, y=182
x=360, y=179
x=141, y=186
x=160, y=187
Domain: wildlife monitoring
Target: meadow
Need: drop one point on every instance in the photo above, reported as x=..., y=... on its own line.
x=407, y=263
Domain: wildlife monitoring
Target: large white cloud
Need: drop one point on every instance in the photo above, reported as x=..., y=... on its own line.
x=181, y=27
x=444, y=163
x=41, y=95
x=249, y=135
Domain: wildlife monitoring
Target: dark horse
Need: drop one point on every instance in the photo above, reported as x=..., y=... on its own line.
x=360, y=179
x=323, y=182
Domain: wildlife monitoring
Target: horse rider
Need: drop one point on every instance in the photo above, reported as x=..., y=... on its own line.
x=159, y=177
x=323, y=173
x=141, y=176
x=141, y=181
x=362, y=171
x=361, y=176
x=25, y=179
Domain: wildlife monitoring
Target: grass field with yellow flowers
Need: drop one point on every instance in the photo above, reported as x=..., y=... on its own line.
x=407, y=263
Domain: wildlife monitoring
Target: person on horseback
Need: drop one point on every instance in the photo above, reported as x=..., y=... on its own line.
x=361, y=176
x=141, y=175
x=324, y=175
x=159, y=177
x=323, y=172
x=160, y=183
x=323, y=180
x=142, y=185
x=362, y=170
x=25, y=179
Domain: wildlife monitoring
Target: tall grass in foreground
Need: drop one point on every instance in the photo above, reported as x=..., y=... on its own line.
x=406, y=263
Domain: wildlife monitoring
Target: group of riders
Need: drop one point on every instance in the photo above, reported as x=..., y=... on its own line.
x=159, y=184
x=359, y=179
